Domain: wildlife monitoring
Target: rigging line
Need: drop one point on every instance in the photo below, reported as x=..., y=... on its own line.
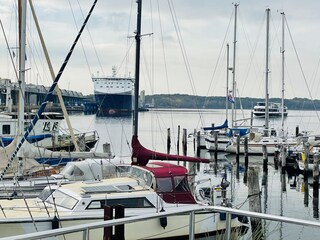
x=302, y=72
x=10, y=54
x=26, y=203
x=184, y=53
x=76, y=25
x=93, y=45
x=171, y=115
x=252, y=51
x=181, y=43
x=128, y=31
x=126, y=56
x=219, y=56
x=49, y=94
x=164, y=64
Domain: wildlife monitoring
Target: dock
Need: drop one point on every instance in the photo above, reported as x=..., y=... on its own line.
x=35, y=94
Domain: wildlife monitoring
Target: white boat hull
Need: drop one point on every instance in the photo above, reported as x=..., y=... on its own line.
x=177, y=226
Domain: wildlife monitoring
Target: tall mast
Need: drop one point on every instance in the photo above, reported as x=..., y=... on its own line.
x=267, y=78
x=234, y=86
x=227, y=90
x=22, y=54
x=137, y=70
x=282, y=90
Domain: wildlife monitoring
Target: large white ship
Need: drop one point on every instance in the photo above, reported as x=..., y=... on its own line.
x=113, y=94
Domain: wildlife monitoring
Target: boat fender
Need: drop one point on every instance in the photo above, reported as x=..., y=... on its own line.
x=55, y=223
x=163, y=220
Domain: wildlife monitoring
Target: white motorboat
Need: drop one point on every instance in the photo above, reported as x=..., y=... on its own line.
x=156, y=187
x=275, y=109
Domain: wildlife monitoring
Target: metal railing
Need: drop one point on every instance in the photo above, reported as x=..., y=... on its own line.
x=85, y=228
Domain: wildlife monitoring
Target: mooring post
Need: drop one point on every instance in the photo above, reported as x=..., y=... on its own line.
x=168, y=140
x=108, y=215
x=198, y=143
x=276, y=157
x=254, y=200
x=119, y=229
x=306, y=160
x=265, y=158
x=246, y=160
x=283, y=166
x=238, y=149
x=305, y=174
x=184, y=144
x=215, y=145
x=194, y=140
x=315, y=200
x=184, y=141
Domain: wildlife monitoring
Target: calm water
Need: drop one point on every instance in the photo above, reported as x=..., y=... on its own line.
x=294, y=202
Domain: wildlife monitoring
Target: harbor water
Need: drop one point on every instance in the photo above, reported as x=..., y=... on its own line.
x=297, y=199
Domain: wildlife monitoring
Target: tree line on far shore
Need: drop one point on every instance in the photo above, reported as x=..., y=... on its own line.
x=200, y=102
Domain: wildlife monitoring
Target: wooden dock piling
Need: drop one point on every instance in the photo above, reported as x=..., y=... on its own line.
x=238, y=149
x=283, y=165
x=198, y=143
x=265, y=158
x=119, y=229
x=215, y=145
x=108, y=215
x=276, y=158
x=254, y=199
x=184, y=142
x=315, y=199
x=246, y=160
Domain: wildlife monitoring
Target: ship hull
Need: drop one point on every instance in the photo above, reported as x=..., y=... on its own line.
x=114, y=104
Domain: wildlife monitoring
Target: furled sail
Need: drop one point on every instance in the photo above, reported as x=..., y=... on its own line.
x=224, y=125
x=142, y=155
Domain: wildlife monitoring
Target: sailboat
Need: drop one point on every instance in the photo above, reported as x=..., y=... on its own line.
x=266, y=137
x=224, y=132
x=148, y=185
x=47, y=134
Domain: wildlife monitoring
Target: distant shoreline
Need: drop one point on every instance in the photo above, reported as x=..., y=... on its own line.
x=185, y=101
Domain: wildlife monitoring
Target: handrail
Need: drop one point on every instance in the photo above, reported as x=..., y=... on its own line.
x=85, y=228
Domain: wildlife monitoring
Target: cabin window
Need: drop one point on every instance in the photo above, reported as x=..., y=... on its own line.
x=164, y=184
x=181, y=184
x=5, y=129
x=45, y=193
x=63, y=200
x=140, y=202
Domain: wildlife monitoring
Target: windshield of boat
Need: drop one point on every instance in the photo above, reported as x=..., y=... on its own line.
x=180, y=184
x=62, y=199
x=143, y=176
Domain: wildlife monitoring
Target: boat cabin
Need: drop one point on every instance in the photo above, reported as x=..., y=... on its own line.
x=134, y=187
x=170, y=181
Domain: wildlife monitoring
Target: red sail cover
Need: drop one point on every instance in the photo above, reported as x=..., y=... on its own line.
x=141, y=155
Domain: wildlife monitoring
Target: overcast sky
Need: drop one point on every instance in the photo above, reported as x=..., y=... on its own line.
x=186, y=52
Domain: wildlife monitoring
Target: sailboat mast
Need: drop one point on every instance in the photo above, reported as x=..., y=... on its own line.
x=227, y=90
x=282, y=90
x=22, y=50
x=137, y=70
x=234, y=87
x=267, y=78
